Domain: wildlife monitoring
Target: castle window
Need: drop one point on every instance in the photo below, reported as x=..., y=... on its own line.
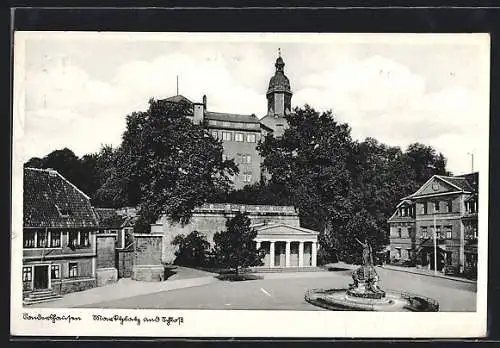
x=247, y=177
x=238, y=137
x=251, y=138
x=226, y=136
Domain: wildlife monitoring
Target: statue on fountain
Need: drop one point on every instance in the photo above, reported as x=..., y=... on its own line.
x=365, y=277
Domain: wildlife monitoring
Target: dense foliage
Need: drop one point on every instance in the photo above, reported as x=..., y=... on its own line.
x=192, y=250
x=235, y=247
x=343, y=188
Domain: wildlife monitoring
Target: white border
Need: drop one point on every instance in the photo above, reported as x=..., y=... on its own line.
x=251, y=323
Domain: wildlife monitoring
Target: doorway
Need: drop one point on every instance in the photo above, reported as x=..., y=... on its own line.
x=41, y=277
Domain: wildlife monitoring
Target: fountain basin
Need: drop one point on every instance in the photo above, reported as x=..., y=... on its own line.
x=393, y=301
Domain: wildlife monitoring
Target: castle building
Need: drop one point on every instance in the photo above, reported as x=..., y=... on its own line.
x=445, y=207
x=240, y=133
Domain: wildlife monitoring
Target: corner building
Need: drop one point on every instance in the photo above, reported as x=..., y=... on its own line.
x=445, y=208
x=240, y=133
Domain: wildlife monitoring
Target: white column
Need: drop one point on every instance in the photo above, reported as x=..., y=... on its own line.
x=313, y=254
x=301, y=254
x=287, y=254
x=271, y=254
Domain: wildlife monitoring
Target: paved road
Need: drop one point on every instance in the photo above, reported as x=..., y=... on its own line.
x=286, y=291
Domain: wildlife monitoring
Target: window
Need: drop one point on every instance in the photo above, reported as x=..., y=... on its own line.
x=238, y=137
x=73, y=269
x=450, y=206
x=251, y=138
x=436, y=206
x=215, y=134
x=246, y=158
x=29, y=239
x=42, y=240
x=84, y=239
x=424, y=211
x=247, y=176
x=27, y=274
x=73, y=239
x=55, y=239
x=55, y=271
x=447, y=232
x=399, y=232
x=423, y=230
x=410, y=231
x=438, y=232
x=226, y=136
x=398, y=253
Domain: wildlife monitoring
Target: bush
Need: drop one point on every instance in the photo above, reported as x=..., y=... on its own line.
x=192, y=249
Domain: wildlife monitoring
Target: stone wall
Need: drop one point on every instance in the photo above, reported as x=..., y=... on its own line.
x=67, y=286
x=106, y=250
x=147, y=257
x=211, y=218
x=106, y=271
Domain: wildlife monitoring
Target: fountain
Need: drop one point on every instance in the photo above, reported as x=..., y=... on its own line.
x=364, y=294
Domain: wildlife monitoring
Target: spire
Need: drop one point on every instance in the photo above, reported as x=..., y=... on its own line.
x=280, y=64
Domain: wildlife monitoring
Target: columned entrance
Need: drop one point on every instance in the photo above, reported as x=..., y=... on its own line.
x=287, y=246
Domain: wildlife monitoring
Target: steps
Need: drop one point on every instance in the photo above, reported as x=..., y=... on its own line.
x=40, y=296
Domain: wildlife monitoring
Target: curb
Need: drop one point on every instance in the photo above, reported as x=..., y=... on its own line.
x=430, y=275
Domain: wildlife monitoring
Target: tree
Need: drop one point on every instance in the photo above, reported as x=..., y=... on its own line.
x=235, y=248
x=192, y=249
x=166, y=164
x=312, y=162
x=34, y=162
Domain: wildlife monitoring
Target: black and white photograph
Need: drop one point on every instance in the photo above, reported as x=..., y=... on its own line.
x=181, y=184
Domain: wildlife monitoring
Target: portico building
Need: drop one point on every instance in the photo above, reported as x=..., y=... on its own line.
x=287, y=246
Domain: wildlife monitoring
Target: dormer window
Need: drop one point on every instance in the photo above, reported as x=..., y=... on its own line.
x=63, y=212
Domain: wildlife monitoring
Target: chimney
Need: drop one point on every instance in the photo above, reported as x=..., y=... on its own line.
x=198, y=113
x=204, y=102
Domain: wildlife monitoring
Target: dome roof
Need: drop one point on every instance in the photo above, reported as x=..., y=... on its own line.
x=279, y=82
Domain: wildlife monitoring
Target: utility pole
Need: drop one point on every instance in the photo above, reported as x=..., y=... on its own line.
x=435, y=246
x=177, y=85
x=472, y=161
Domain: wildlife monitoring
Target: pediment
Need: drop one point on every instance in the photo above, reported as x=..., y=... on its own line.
x=435, y=185
x=282, y=229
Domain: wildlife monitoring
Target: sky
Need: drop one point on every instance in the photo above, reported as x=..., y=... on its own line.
x=77, y=88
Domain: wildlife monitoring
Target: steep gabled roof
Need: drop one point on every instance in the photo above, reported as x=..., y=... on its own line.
x=460, y=182
x=50, y=200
